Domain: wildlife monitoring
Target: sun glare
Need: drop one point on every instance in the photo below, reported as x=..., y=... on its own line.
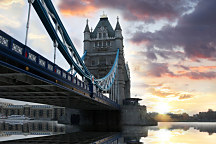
x=162, y=108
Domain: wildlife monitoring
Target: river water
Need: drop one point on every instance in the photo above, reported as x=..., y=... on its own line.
x=165, y=133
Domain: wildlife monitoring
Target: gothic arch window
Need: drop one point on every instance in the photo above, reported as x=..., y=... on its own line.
x=102, y=32
x=104, y=35
x=100, y=35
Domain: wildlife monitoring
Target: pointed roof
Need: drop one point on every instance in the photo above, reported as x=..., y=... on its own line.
x=87, y=27
x=118, y=27
x=104, y=22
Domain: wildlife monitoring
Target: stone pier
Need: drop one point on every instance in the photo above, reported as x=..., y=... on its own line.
x=134, y=114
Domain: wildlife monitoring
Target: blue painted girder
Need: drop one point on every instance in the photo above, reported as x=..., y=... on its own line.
x=54, y=36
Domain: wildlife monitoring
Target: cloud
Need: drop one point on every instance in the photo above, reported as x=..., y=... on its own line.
x=162, y=70
x=8, y=22
x=185, y=96
x=183, y=67
x=195, y=68
x=203, y=68
x=6, y=4
x=151, y=55
x=163, y=92
x=147, y=10
x=37, y=36
x=159, y=93
x=158, y=70
x=145, y=85
x=200, y=75
x=77, y=8
x=194, y=32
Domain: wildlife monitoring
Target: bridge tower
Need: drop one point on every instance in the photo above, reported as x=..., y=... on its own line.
x=101, y=45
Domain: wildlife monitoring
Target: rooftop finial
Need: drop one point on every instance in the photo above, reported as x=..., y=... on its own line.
x=87, y=27
x=118, y=27
x=103, y=15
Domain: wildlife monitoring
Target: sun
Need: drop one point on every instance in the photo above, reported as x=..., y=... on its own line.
x=162, y=108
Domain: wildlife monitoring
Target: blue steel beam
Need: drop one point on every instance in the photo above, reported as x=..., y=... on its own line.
x=54, y=36
x=83, y=57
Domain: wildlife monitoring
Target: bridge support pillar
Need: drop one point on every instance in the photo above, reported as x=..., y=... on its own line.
x=92, y=120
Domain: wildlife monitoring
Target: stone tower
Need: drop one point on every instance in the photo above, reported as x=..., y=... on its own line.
x=101, y=45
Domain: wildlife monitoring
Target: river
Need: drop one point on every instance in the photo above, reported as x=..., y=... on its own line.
x=165, y=133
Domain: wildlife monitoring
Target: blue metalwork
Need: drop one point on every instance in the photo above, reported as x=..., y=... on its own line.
x=49, y=16
x=45, y=10
x=106, y=82
x=83, y=57
x=25, y=56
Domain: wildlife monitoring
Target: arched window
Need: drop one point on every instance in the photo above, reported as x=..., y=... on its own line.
x=100, y=35
x=104, y=35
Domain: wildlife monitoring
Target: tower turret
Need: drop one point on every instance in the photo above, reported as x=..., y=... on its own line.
x=118, y=30
x=86, y=31
x=86, y=36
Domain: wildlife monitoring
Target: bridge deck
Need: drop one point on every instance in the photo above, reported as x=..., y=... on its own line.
x=27, y=76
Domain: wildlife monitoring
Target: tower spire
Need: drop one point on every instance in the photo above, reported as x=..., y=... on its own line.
x=118, y=27
x=87, y=27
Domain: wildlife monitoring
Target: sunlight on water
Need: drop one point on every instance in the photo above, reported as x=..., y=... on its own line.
x=182, y=133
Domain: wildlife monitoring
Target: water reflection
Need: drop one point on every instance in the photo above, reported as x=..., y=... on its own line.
x=210, y=128
x=164, y=133
x=16, y=129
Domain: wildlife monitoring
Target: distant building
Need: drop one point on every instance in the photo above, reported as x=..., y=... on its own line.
x=46, y=112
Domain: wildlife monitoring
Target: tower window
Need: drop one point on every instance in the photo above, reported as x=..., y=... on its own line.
x=104, y=43
x=100, y=35
x=104, y=35
x=100, y=44
x=93, y=63
x=108, y=43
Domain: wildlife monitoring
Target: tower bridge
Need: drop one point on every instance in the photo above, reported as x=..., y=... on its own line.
x=27, y=75
x=95, y=86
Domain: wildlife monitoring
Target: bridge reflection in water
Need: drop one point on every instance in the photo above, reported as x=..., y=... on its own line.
x=52, y=132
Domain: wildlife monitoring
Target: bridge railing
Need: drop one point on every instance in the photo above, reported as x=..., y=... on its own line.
x=18, y=49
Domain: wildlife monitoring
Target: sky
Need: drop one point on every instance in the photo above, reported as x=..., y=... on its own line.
x=170, y=45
